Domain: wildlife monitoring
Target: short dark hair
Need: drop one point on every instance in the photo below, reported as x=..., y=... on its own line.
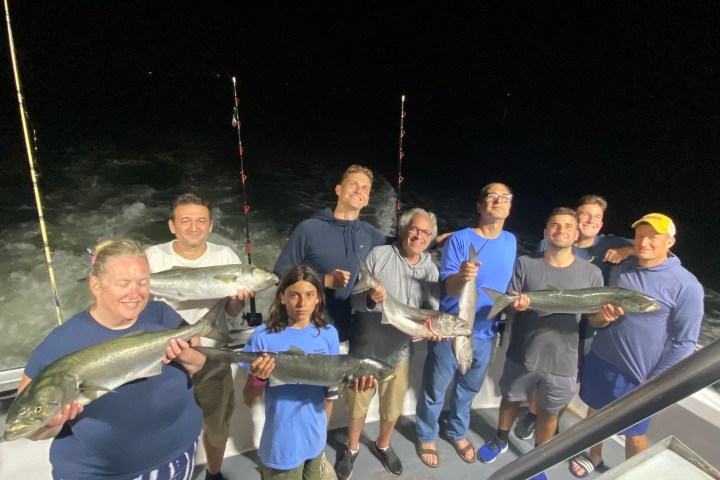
x=592, y=200
x=562, y=211
x=189, y=199
x=484, y=190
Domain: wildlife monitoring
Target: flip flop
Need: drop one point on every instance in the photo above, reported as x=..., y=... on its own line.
x=584, y=462
x=427, y=451
x=462, y=451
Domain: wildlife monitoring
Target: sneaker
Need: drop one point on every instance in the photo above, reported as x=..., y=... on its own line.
x=525, y=428
x=214, y=476
x=540, y=476
x=344, y=466
x=389, y=459
x=490, y=451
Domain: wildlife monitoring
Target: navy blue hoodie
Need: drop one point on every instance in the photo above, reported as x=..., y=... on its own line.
x=326, y=243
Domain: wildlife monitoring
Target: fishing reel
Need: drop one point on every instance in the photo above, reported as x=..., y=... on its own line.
x=252, y=318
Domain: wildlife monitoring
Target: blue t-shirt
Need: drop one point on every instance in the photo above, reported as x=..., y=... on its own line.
x=497, y=256
x=295, y=419
x=142, y=424
x=646, y=344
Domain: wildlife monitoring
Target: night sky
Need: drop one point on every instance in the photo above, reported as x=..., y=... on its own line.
x=561, y=98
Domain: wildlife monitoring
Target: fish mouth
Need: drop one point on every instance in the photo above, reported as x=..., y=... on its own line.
x=20, y=430
x=389, y=377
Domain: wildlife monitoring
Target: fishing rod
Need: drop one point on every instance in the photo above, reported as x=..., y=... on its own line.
x=253, y=318
x=401, y=154
x=24, y=118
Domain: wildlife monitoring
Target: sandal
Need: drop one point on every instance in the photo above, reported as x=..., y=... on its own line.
x=584, y=462
x=462, y=451
x=427, y=451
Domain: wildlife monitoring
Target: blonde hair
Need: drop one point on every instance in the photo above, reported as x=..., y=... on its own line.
x=357, y=169
x=108, y=249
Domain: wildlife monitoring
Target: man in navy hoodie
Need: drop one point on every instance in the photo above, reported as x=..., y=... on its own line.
x=636, y=347
x=330, y=242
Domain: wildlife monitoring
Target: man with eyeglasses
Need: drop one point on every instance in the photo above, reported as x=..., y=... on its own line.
x=409, y=275
x=496, y=250
x=603, y=251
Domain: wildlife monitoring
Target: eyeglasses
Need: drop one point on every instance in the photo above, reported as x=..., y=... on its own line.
x=495, y=197
x=419, y=232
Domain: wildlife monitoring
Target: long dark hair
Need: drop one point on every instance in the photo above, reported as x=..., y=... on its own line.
x=278, y=318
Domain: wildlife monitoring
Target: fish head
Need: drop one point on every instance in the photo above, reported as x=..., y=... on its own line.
x=259, y=279
x=446, y=325
x=640, y=303
x=33, y=408
x=383, y=372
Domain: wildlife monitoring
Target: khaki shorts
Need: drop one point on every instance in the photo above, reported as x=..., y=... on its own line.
x=215, y=393
x=392, y=396
x=308, y=470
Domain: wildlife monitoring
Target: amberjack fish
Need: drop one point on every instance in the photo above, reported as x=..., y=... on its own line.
x=579, y=300
x=89, y=373
x=206, y=283
x=418, y=323
x=462, y=346
x=297, y=367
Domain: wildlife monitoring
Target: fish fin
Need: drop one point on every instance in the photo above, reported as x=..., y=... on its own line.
x=296, y=350
x=385, y=319
x=472, y=254
x=552, y=288
x=275, y=382
x=92, y=392
x=83, y=279
x=226, y=278
x=417, y=339
x=500, y=301
x=215, y=317
x=541, y=314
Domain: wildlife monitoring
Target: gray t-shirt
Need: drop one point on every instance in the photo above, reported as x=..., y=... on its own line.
x=414, y=285
x=548, y=344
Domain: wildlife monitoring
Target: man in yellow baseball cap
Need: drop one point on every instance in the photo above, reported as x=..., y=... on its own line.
x=661, y=223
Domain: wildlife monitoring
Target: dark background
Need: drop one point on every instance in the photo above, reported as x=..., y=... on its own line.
x=558, y=99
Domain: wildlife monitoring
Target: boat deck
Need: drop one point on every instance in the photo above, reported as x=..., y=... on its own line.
x=483, y=423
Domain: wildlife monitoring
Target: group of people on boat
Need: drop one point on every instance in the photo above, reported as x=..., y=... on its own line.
x=149, y=428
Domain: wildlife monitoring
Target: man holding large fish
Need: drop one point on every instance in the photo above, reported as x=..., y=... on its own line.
x=216, y=273
x=496, y=250
x=148, y=423
x=543, y=348
x=631, y=349
x=409, y=282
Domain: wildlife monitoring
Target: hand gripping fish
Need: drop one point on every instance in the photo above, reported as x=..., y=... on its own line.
x=91, y=372
x=462, y=346
x=206, y=283
x=415, y=322
x=297, y=367
x=580, y=300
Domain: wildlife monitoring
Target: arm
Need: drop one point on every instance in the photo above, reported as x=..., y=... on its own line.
x=180, y=352
x=260, y=371
x=53, y=427
x=684, y=328
x=618, y=255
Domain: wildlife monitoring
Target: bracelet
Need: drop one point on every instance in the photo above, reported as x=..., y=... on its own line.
x=259, y=382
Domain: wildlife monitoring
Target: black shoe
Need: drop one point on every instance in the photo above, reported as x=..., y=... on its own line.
x=214, y=476
x=525, y=428
x=344, y=466
x=389, y=459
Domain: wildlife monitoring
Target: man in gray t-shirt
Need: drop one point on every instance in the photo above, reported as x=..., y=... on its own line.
x=543, y=351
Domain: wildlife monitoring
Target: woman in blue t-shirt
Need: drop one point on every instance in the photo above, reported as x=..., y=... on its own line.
x=295, y=431
x=144, y=429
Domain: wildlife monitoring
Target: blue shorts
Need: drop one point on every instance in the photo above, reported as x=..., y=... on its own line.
x=602, y=383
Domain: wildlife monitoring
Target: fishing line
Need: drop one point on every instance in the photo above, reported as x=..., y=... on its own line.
x=400, y=178
x=252, y=318
x=24, y=118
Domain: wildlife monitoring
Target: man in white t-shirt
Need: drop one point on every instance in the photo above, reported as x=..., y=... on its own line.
x=191, y=223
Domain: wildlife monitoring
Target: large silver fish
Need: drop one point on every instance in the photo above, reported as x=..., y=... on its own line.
x=91, y=372
x=206, y=283
x=580, y=300
x=418, y=323
x=462, y=346
x=297, y=367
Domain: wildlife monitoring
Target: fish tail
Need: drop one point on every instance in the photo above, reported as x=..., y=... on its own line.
x=500, y=301
x=366, y=280
x=216, y=322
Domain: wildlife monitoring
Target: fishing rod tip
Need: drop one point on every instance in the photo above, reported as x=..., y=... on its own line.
x=233, y=80
x=402, y=98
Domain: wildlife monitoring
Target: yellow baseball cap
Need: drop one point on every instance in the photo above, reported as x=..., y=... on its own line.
x=661, y=223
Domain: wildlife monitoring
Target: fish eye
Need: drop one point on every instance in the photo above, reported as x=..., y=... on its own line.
x=38, y=409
